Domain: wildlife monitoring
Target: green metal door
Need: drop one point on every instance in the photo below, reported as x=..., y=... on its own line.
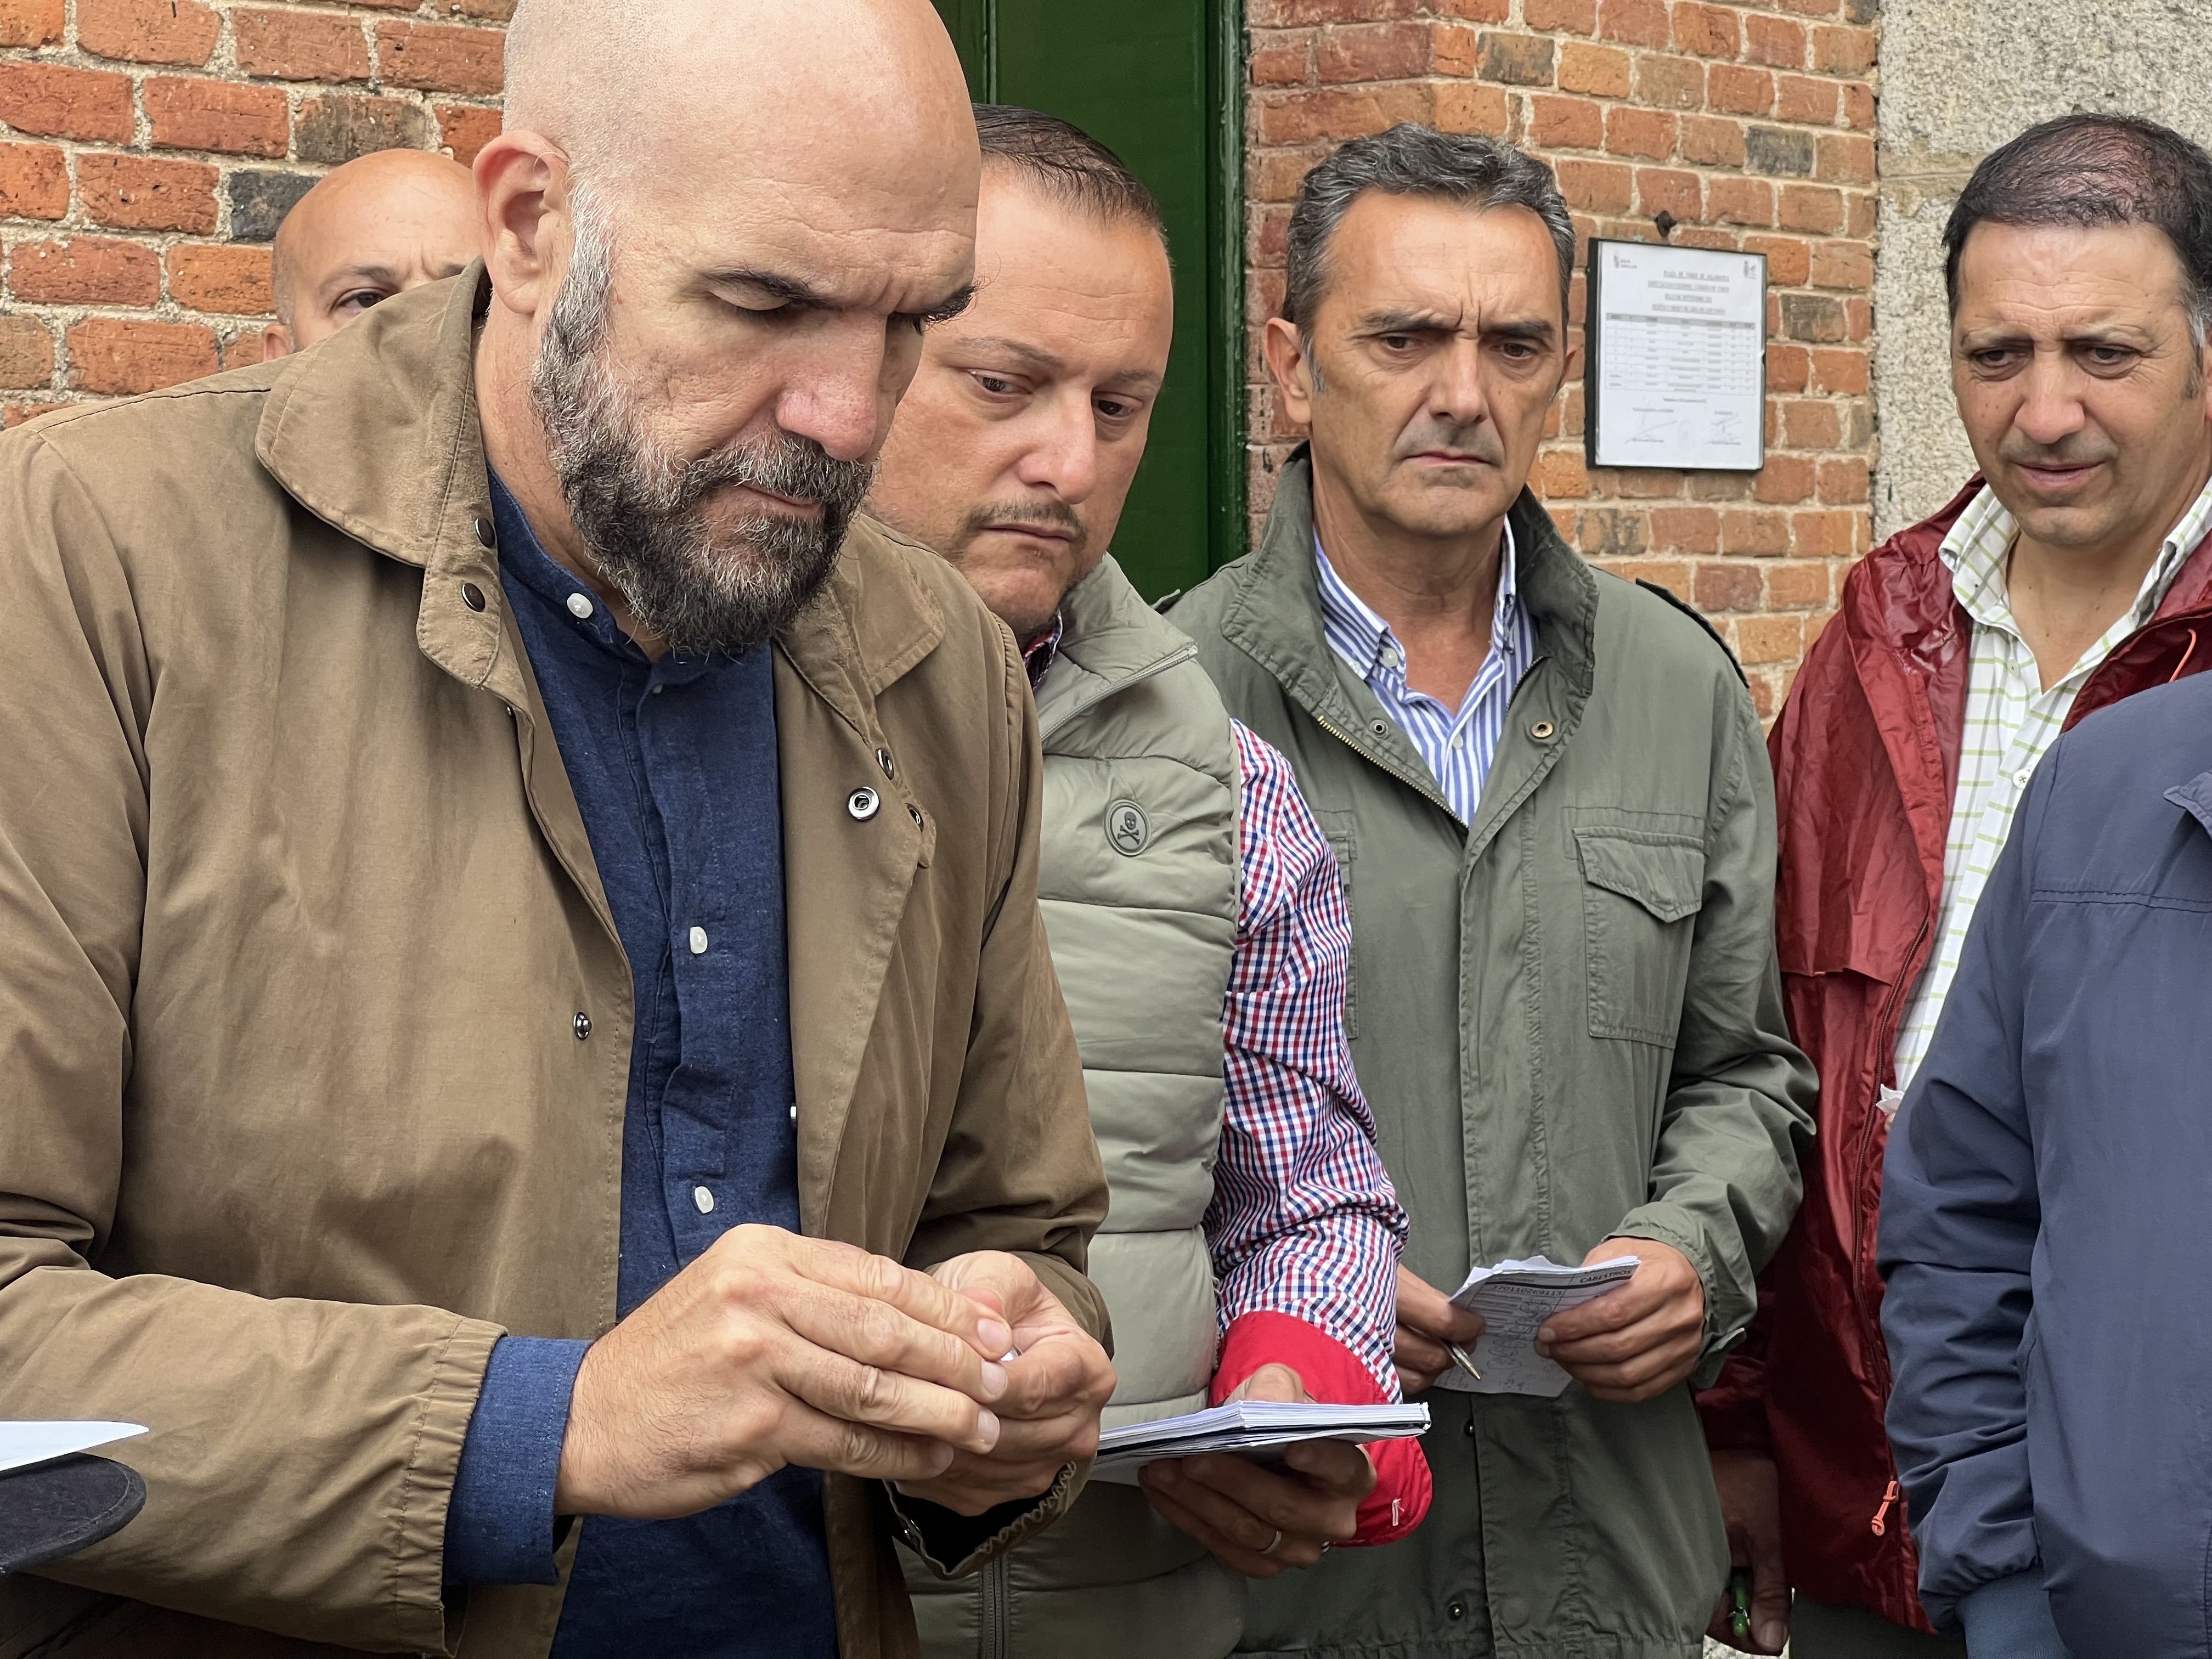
x=1161, y=81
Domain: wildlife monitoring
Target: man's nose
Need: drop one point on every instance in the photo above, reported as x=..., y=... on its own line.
x=2050, y=400
x=1062, y=455
x=1456, y=394
x=835, y=394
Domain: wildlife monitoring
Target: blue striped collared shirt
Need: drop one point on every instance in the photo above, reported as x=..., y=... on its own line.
x=1458, y=747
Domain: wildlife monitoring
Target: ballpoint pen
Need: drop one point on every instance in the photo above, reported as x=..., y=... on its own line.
x=1459, y=1358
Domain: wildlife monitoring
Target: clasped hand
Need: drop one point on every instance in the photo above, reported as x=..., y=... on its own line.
x=772, y=1349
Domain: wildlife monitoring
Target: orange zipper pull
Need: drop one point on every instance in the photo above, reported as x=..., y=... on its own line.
x=1881, y=1521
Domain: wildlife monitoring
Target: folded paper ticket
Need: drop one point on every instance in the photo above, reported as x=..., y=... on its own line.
x=1515, y=1298
x=1260, y=1430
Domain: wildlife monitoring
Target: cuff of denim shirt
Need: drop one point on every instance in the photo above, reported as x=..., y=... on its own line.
x=2011, y=1619
x=499, y=1526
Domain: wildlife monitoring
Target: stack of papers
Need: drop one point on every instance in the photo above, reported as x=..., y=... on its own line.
x=1515, y=1298
x=1257, y=1430
x=22, y=1444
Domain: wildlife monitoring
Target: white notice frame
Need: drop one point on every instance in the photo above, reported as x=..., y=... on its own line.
x=1674, y=371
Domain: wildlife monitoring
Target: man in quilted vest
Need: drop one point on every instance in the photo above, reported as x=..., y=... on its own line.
x=1198, y=927
x=2069, y=574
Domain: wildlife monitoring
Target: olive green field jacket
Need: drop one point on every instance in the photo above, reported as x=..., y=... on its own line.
x=1568, y=1020
x=315, y=1024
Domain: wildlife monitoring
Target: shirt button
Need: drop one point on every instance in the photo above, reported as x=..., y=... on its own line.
x=583, y=1027
x=1459, y=740
x=1391, y=659
x=579, y=607
x=698, y=941
x=704, y=1200
x=2022, y=776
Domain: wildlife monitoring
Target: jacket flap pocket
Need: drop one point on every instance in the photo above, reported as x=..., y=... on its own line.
x=1664, y=873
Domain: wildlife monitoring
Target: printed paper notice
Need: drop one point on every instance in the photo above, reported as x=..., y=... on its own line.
x=1678, y=363
x=1515, y=1298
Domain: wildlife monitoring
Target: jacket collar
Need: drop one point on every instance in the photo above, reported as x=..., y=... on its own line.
x=1110, y=639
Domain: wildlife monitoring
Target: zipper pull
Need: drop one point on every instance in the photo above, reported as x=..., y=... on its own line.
x=1881, y=1520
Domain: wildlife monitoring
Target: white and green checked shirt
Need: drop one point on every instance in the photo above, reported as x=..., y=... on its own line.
x=2010, y=721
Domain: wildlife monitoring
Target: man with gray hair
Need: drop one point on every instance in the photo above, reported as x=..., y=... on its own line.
x=1549, y=794
x=531, y=1057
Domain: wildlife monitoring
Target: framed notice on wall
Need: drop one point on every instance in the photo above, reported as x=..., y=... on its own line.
x=1674, y=371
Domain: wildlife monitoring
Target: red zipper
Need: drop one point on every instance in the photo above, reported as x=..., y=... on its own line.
x=1881, y=1515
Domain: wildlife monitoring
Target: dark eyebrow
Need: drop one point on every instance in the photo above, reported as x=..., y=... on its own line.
x=945, y=309
x=803, y=295
x=1028, y=356
x=383, y=274
x=1536, y=329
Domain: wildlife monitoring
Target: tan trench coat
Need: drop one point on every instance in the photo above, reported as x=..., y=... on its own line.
x=300, y=939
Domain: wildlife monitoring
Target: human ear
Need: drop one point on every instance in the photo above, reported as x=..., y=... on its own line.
x=1289, y=368
x=522, y=194
x=276, y=341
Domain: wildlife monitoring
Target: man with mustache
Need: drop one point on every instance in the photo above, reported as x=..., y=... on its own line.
x=531, y=1054
x=2070, y=573
x=1198, y=931
x=1549, y=794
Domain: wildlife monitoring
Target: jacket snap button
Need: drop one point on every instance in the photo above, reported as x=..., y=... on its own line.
x=583, y=1027
x=1380, y=728
x=472, y=596
x=883, y=760
x=1456, y=1610
x=484, y=532
x=914, y=812
x=863, y=804
x=1542, y=731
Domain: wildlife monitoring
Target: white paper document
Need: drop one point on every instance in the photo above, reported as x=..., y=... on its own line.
x=22, y=1444
x=1679, y=367
x=1515, y=1298
x=1259, y=1429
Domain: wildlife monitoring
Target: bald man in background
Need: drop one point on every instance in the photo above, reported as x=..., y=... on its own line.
x=532, y=1061
x=378, y=226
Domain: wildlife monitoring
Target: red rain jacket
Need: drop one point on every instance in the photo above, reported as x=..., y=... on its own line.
x=1866, y=763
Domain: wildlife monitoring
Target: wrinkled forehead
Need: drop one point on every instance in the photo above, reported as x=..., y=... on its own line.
x=1433, y=255
x=2053, y=279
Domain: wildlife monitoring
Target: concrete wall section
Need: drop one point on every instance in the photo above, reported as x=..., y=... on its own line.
x=1959, y=77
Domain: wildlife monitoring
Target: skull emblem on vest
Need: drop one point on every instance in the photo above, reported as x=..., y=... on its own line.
x=1127, y=828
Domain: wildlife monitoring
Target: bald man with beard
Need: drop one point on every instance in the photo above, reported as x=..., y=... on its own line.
x=380, y=225
x=532, y=1062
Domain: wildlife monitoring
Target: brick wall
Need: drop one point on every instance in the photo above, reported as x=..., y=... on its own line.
x=148, y=149
x=1753, y=126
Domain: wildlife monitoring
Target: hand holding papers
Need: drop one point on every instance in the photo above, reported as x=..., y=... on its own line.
x=1514, y=1299
x=1258, y=1431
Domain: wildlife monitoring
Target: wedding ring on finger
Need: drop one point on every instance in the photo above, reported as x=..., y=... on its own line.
x=1275, y=1544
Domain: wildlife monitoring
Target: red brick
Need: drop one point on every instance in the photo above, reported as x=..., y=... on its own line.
x=1705, y=31
x=299, y=46
x=1858, y=107
x=1712, y=141
x=1743, y=530
x=1337, y=112
x=1778, y=41
x=1669, y=190
x=51, y=101
x=1634, y=22
x=1789, y=258
x=31, y=22
x=1561, y=475
x=1685, y=529
x=1474, y=11
x=498, y=11
x=1705, y=236
x=1727, y=587
x=1646, y=483
x=1809, y=424
x=1812, y=207
x=1600, y=186
x=1468, y=106
x=1277, y=14
x=232, y=280
x=1844, y=478
x=1569, y=16
x=1375, y=51
x=149, y=31
x=1842, y=264
x=26, y=353
x=1517, y=60
x=1801, y=586
x=218, y=115
x=1860, y=214
x=1845, y=158
x=1841, y=49
x=1612, y=533
x=1740, y=202
x=116, y=357
x=15, y=413
x=1805, y=98
x=1845, y=372
x=1738, y=90
x=1770, y=639
x=1785, y=480
x=1640, y=132
x=1787, y=367
x=1599, y=72
x=1557, y=123
x=85, y=270
x=1670, y=573
x=1669, y=82
x=1811, y=8
x=1285, y=63
x=439, y=59
x=34, y=182
x=137, y=192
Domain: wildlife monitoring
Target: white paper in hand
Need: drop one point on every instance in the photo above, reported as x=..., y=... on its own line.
x=1261, y=1430
x=1515, y=1298
x=22, y=1444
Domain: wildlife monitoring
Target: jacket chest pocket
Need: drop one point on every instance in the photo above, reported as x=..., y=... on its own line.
x=1642, y=890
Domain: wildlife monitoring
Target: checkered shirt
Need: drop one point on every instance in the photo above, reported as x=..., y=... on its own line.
x=1457, y=746
x=2010, y=721
x=1304, y=1221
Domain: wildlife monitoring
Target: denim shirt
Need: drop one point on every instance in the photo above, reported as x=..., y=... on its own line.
x=674, y=766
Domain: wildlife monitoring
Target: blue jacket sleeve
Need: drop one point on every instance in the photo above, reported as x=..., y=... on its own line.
x=500, y=1525
x=1959, y=1223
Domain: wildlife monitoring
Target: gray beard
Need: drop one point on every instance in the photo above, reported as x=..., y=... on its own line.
x=698, y=586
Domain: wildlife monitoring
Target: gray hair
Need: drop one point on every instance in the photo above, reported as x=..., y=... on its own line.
x=1411, y=159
